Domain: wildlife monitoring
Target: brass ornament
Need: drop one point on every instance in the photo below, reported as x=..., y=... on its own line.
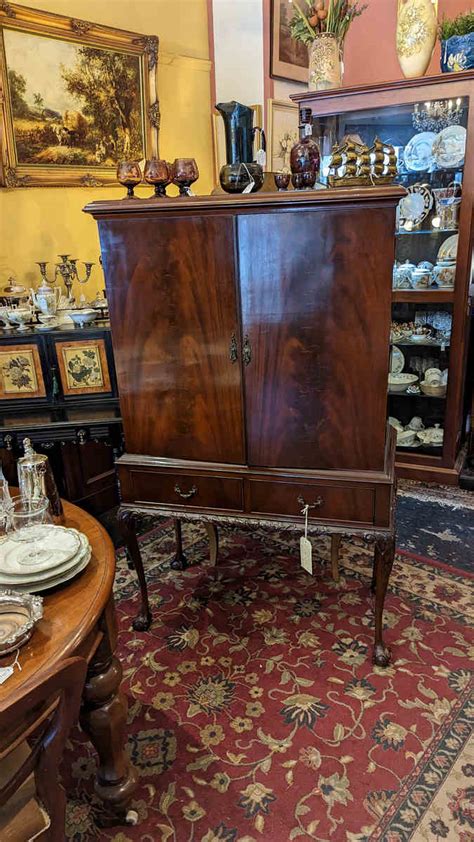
x=89, y=180
x=154, y=115
x=150, y=44
x=12, y=179
x=7, y=9
x=81, y=27
x=354, y=164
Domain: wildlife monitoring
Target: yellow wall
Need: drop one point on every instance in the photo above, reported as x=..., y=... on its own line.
x=40, y=223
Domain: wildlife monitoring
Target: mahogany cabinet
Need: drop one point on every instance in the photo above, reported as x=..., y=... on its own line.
x=250, y=336
x=399, y=112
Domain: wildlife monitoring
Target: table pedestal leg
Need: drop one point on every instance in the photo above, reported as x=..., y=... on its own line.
x=383, y=561
x=128, y=521
x=180, y=561
x=103, y=718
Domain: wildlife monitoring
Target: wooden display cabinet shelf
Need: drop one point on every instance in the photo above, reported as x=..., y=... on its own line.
x=424, y=296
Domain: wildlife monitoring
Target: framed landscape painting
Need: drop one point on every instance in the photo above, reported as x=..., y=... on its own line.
x=76, y=98
x=288, y=58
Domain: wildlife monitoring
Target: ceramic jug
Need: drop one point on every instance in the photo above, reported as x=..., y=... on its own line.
x=416, y=35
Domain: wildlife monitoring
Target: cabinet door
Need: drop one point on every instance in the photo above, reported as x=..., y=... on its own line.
x=172, y=298
x=316, y=293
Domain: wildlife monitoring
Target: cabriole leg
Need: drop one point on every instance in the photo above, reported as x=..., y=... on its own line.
x=383, y=562
x=128, y=521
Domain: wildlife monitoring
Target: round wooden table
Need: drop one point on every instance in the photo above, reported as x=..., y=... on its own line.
x=79, y=619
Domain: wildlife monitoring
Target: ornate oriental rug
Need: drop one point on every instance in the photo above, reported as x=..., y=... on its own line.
x=255, y=712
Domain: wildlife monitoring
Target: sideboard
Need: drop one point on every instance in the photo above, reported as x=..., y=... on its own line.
x=250, y=337
x=58, y=388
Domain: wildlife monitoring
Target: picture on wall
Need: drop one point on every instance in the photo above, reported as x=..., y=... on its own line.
x=83, y=367
x=20, y=372
x=77, y=100
x=282, y=133
x=288, y=58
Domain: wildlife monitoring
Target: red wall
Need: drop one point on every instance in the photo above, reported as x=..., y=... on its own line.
x=370, y=51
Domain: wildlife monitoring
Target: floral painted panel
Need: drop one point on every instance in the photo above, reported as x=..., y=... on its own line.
x=20, y=372
x=83, y=367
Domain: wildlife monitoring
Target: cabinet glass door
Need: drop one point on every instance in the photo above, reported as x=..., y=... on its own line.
x=430, y=141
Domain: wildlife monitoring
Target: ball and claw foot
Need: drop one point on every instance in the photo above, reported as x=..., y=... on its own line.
x=179, y=562
x=142, y=621
x=381, y=656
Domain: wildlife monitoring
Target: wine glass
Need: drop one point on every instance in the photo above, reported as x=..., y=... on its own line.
x=129, y=174
x=282, y=180
x=159, y=173
x=185, y=173
x=26, y=517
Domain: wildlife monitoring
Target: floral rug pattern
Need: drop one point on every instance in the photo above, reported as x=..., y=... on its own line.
x=255, y=712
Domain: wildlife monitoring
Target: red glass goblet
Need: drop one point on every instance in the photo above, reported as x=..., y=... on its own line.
x=185, y=173
x=129, y=174
x=159, y=173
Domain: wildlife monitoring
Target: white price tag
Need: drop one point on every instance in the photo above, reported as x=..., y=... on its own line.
x=249, y=187
x=5, y=672
x=261, y=157
x=306, y=550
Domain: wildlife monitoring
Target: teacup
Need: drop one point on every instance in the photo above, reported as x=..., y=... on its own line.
x=415, y=424
x=420, y=278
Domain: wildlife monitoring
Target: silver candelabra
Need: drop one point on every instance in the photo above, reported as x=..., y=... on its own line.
x=67, y=268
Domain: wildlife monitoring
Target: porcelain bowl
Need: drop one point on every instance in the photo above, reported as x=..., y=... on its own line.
x=83, y=317
x=406, y=438
x=433, y=390
x=400, y=382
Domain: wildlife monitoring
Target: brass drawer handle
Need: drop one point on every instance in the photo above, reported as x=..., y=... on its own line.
x=186, y=494
x=316, y=505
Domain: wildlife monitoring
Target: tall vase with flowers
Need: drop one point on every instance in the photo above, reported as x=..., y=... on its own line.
x=323, y=25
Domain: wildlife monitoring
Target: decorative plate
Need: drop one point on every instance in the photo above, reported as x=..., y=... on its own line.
x=397, y=360
x=416, y=206
x=63, y=544
x=450, y=146
x=448, y=249
x=419, y=152
x=58, y=580
x=18, y=614
x=36, y=577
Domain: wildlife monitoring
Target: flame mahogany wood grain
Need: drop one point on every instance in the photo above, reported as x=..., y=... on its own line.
x=303, y=282
x=79, y=619
x=173, y=311
x=316, y=307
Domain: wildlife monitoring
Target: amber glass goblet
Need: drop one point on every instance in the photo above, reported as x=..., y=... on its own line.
x=282, y=180
x=159, y=173
x=129, y=174
x=185, y=173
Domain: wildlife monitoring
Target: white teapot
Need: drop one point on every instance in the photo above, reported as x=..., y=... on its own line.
x=46, y=299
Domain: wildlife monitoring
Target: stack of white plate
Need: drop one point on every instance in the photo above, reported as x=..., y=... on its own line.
x=64, y=553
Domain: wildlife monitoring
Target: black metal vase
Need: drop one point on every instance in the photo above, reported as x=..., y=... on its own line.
x=241, y=172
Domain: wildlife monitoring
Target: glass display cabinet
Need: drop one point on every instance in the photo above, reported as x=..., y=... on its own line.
x=430, y=124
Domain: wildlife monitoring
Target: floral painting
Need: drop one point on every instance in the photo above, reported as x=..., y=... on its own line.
x=20, y=372
x=282, y=133
x=83, y=367
x=73, y=104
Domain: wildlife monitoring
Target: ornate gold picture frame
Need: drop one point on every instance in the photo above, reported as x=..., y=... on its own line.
x=20, y=372
x=83, y=367
x=75, y=98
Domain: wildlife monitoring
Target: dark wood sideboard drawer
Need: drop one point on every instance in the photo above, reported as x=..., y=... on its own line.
x=186, y=490
x=333, y=502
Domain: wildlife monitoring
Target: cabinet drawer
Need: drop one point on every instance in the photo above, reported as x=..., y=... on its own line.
x=173, y=489
x=335, y=502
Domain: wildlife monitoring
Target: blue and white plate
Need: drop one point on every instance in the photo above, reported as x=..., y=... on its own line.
x=419, y=152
